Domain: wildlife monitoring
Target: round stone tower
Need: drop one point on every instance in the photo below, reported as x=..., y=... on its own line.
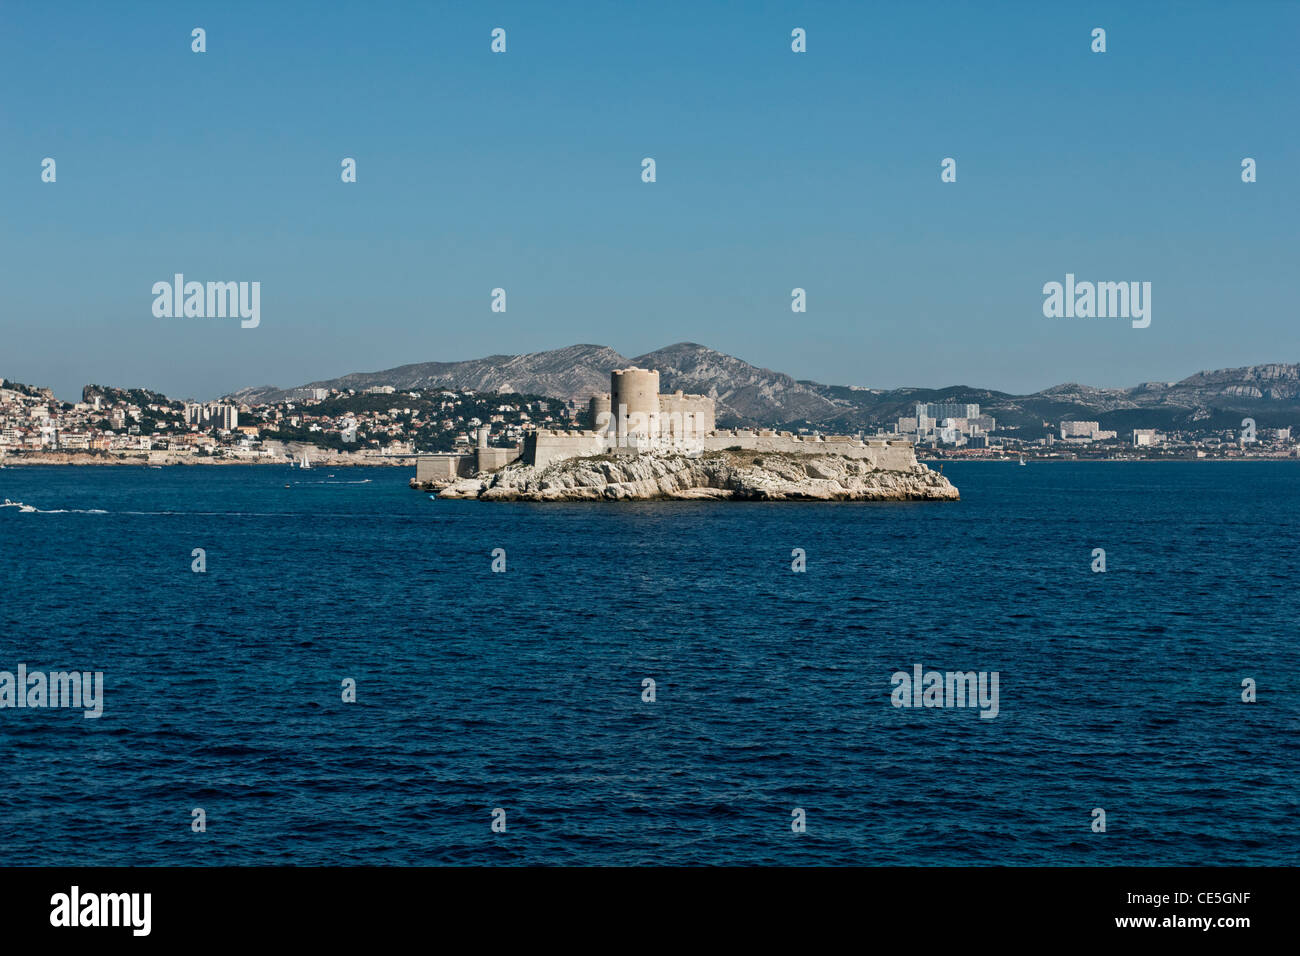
x=598, y=407
x=634, y=392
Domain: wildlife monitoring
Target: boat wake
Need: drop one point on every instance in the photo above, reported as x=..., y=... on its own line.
x=31, y=509
x=363, y=481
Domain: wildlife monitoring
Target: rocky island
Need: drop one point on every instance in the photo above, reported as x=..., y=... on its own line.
x=728, y=475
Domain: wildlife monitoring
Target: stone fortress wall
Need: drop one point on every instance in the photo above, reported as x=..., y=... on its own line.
x=544, y=446
x=442, y=468
x=889, y=454
x=452, y=465
x=682, y=416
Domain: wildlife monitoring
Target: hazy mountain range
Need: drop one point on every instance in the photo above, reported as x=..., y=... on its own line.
x=746, y=394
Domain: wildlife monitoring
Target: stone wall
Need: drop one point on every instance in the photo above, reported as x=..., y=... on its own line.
x=690, y=416
x=544, y=446
x=889, y=455
x=490, y=459
x=443, y=467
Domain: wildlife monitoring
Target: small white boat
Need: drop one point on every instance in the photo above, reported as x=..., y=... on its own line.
x=1022, y=459
x=305, y=462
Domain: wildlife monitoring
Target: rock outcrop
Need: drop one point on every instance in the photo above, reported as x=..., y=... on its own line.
x=720, y=475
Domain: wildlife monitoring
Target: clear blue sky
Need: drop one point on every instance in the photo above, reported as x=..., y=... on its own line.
x=522, y=170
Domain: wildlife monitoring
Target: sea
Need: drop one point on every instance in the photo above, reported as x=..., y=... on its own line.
x=324, y=668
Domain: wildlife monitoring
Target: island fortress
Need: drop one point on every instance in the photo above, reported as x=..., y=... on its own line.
x=635, y=418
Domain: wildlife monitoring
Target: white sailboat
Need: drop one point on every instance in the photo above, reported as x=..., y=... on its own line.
x=1022, y=459
x=305, y=462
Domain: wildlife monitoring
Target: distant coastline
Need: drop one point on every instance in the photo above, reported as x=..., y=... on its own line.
x=930, y=460
x=86, y=460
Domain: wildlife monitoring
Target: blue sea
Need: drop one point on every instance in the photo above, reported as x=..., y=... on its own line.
x=522, y=690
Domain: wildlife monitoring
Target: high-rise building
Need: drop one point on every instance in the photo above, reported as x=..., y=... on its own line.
x=1079, y=429
x=214, y=415
x=225, y=417
x=942, y=410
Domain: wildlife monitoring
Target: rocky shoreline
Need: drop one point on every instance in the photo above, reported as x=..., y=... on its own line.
x=735, y=476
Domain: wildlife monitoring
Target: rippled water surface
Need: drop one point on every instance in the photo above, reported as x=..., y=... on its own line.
x=523, y=690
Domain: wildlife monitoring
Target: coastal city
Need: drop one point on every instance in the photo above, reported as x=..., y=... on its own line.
x=374, y=426
x=947, y=430
x=385, y=425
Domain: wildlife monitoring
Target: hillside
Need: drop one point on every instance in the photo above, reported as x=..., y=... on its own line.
x=749, y=395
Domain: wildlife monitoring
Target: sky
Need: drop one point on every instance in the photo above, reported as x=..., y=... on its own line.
x=775, y=170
